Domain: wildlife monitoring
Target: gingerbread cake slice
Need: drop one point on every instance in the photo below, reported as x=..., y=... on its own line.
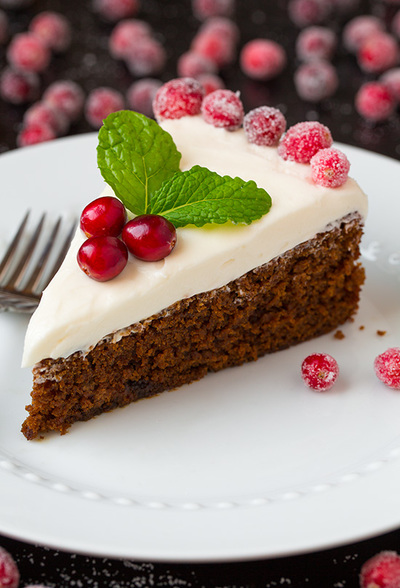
x=226, y=294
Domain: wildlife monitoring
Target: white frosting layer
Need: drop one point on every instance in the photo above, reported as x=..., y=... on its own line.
x=76, y=312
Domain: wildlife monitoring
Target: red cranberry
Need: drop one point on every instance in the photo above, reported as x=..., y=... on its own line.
x=219, y=48
x=177, y=98
x=27, y=52
x=124, y=36
x=308, y=12
x=374, y=101
x=9, y=574
x=53, y=29
x=41, y=112
x=264, y=125
x=104, y=216
x=378, y=53
x=316, y=80
x=319, y=371
x=100, y=103
x=359, y=29
x=316, y=43
x=387, y=367
x=303, y=140
x=140, y=95
x=102, y=258
x=262, y=59
x=381, y=571
x=391, y=79
x=204, y=9
x=329, y=168
x=113, y=10
x=146, y=57
x=192, y=64
x=149, y=237
x=223, y=109
x=211, y=82
x=67, y=97
x=18, y=87
x=35, y=133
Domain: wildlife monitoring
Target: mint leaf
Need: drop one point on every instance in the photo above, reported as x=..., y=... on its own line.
x=135, y=156
x=199, y=196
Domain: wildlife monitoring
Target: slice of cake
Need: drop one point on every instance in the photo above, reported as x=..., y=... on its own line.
x=228, y=293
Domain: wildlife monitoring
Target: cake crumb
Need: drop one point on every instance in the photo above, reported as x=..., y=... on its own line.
x=361, y=328
x=339, y=335
x=381, y=333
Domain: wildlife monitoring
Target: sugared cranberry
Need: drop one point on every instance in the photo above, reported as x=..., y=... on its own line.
x=9, y=574
x=378, y=53
x=359, y=29
x=391, y=79
x=264, y=125
x=374, y=101
x=27, y=52
x=223, y=109
x=262, y=59
x=316, y=80
x=223, y=27
x=124, y=36
x=100, y=103
x=330, y=168
x=381, y=571
x=149, y=237
x=204, y=9
x=308, y=12
x=42, y=112
x=219, y=48
x=18, y=87
x=211, y=82
x=66, y=96
x=316, y=43
x=303, y=140
x=3, y=27
x=319, y=371
x=35, y=133
x=104, y=216
x=146, y=57
x=140, y=95
x=53, y=29
x=191, y=65
x=102, y=258
x=114, y=10
x=177, y=98
x=387, y=367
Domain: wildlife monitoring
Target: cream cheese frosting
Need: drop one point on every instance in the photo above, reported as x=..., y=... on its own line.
x=77, y=312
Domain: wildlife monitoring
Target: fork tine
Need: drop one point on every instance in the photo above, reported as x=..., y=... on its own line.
x=63, y=252
x=9, y=254
x=40, y=266
x=19, y=272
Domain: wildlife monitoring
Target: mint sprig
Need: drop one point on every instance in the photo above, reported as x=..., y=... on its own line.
x=135, y=156
x=199, y=196
x=140, y=161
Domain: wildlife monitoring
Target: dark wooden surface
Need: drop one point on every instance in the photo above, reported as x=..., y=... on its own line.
x=89, y=63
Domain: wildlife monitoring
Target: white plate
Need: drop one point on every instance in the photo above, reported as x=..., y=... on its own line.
x=245, y=463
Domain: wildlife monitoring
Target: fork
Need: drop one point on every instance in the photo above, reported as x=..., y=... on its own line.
x=29, y=264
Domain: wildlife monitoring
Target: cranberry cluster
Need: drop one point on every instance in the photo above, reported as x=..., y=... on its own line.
x=104, y=254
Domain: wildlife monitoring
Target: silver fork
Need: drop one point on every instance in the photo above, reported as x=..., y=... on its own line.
x=30, y=262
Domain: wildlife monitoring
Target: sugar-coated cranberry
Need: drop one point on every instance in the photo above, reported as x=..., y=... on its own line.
x=66, y=96
x=381, y=571
x=223, y=109
x=114, y=10
x=303, y=140
x=3, y=27
x=378, y=53
x=319, y=371
x=262, y=59
x=222, y=26
x=140, y=95
x=124, y=36
x=9, y=574
x=211, y=82
x=146, y=57
x=35, y=133
x=27, y=52
x=18, y=87
x=204, y=9
x=316, y=43
x=316, y=80
x=216, y=40
x=387, y=367
x=264, y=125
x=102, y=258
x=308, y=12
x=53, y=29
x=177, y=98
x=374, y=101
x=192, y=64
x=42, y=112
x=100, y=103
x=391, y=79
x=359, y=29
x=103, y=216
x=149, y=237
x=330, y=168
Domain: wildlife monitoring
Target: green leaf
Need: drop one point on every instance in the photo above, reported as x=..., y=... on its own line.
x=199, y=196
x=135, y=156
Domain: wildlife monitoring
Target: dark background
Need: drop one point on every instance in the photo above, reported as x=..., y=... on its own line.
x=88, y=62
